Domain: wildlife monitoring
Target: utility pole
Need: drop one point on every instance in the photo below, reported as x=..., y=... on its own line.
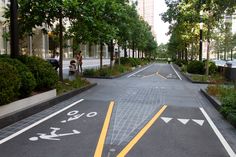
x=14, y=29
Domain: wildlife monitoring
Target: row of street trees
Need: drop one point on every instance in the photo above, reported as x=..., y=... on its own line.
x=184, y=17
x=90, y=21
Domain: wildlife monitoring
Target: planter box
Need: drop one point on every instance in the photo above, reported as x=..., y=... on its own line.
x=17, y=113
x=26, y=103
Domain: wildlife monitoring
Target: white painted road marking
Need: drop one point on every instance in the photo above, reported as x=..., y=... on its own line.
x=38, y=122
x=183, y=121
x=53, y=135
x=199, y=122
x=139, y=71
x=166, y=119
x=175, y=72
x=219, y=135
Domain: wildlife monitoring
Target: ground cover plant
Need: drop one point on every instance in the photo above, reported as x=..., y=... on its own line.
x=226, y=94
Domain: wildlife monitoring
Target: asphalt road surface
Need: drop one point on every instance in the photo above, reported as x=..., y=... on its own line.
x=152, y=112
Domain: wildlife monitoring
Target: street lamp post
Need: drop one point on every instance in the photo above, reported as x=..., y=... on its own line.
x=14, y=29
x=201, y=27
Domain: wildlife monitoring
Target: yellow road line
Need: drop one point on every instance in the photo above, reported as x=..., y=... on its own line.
x=141, y=133
x=160, y=75
x=101, y=141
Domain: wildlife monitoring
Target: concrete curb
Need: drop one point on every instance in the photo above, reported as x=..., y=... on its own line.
x=117, y=76
x=189, y=79
x=26, y=112
x=213, y=100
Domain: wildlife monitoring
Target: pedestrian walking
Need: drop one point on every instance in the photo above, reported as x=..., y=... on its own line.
x=57, y=59
x=79, y=61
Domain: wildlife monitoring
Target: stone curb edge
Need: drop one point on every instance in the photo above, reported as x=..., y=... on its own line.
x=189, y=79
x=26, y=112
x=117, y=76
x=213, y=101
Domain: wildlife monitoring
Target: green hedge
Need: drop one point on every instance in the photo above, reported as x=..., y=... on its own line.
x=131, y=61
x=46, y=77
x=28, y=82
x=228, y=103
x=9, y=83
x=196, y=67
x=212, y=68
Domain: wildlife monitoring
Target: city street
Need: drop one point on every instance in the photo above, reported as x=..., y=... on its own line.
x=150, y=112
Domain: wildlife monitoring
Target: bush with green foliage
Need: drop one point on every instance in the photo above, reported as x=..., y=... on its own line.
x=196, y=67
x=28, y=81
x=10, y=83
x=131, y=61
x=105, y=72
x=89, y=72
x=46, y=77
x=212, y=68
x=228, y=102
x=68, y=85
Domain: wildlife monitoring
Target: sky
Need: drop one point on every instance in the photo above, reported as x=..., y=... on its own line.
x=161, y=27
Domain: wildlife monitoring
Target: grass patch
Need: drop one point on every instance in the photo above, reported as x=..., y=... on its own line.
x=216, y=78
x=227, y=96
x=68, y=85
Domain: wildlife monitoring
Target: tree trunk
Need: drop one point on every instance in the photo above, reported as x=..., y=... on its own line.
x=133, y=49
x=231, y=54
x=138, y=53
x=186, y=53
x=118, y=54
x=111, y=53
x=125, y=51
x=208, y=50
x=101, y=54
x=14, y=29
x=61, y=49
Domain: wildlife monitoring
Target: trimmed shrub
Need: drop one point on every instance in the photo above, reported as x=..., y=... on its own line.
x=228, y=104
x=131, y=61
x=232, y=118
x=105, y=72
x=196, y=67
x=9, y=83
x=212, y=68
x=178, y=62
x=28, y=82
x=46, y=77
x=89, y=72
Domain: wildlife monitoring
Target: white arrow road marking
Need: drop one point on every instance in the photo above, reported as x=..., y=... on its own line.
x=166, y=119
x=199, y=122
x=184, y=121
